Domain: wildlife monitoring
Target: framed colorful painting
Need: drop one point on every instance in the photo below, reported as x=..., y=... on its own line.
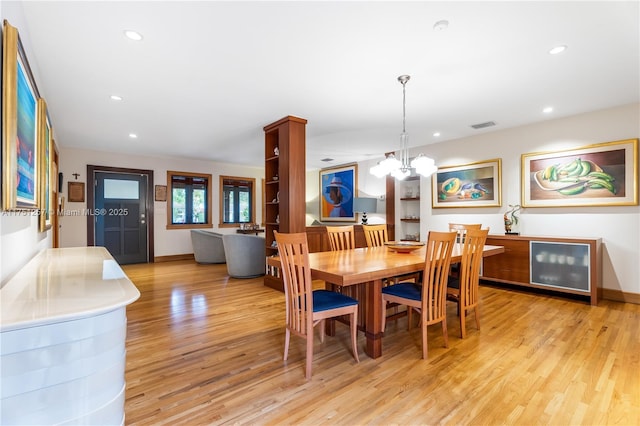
x=338, y=186
x=20, y=126
x=469, y=185
x=604, y=174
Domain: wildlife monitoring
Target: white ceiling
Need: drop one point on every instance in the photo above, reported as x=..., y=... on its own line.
x=209, y=75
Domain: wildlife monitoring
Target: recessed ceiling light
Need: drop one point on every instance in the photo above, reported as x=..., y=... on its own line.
x=116, y=98
x=547, y=110
x=441, y=25
x=558, y=49
x=436, y=134
x=133, y=35
x=133, y=136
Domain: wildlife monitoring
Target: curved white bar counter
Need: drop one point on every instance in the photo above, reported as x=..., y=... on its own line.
x=62, y=339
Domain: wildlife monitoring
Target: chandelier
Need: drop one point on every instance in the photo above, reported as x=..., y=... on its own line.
x=401, y=168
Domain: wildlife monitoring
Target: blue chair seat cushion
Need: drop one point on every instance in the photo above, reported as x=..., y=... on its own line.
x=405, y=290
x=323, y=300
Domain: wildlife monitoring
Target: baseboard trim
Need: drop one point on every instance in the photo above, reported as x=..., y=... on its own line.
x=603, y=293
x=174, y=257
x=620, y=296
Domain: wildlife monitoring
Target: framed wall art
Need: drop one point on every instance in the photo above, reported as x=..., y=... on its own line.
x=469, y=185
x=161, y=193
x=20, y=163
x=45, y=188
x=75, y=192
x=604, y=174
x=338, y=186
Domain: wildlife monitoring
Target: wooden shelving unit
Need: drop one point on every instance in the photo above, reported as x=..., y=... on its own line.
x=409, y=192
x=285, y=170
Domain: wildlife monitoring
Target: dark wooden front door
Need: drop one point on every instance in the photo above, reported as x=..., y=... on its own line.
x=121, y=218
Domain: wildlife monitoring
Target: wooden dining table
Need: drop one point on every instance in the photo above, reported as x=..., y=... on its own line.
x=363, y=270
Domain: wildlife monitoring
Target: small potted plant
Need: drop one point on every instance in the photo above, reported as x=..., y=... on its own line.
x=511, y=219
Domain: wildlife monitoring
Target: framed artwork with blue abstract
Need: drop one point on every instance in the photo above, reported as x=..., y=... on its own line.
x=338, y=186
x=20, y=145
x=469, y=185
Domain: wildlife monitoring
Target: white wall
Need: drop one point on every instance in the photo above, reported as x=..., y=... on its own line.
x=619, y=227
x=19, y=236
x=73, y=230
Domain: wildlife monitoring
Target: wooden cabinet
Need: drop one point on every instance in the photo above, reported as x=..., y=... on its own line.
x=567, y=265
x=285, y=188
x=510, y=266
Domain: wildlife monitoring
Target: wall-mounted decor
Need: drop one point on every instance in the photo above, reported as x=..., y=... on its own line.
x=75, y=192
x=45, y=189
x=161, y=193
x=338, y=186
x=20, y=126
x=604, y=174
x=468, y=185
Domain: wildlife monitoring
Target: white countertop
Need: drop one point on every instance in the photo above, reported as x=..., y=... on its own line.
x=63, y=284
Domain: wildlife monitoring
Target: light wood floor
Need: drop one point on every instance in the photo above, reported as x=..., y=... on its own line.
x=203, y=348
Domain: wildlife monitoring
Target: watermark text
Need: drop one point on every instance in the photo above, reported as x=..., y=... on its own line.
x=69, y=212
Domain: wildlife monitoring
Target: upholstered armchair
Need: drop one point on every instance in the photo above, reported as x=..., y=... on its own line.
x=207, y=246
x=245, y=255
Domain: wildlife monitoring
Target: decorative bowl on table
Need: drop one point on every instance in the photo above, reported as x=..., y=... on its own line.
x=404, y=246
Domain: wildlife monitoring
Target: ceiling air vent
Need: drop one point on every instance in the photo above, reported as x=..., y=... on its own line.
x=327, y=159
x=483, y=125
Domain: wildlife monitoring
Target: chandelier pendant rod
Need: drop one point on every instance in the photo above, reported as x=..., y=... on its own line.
x=404, y=137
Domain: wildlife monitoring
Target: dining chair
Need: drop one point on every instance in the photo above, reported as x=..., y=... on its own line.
x=461, y=229
x=464, y=289
x=375, y=235
x=341, y=237
x=304, y=307
x=429, y=299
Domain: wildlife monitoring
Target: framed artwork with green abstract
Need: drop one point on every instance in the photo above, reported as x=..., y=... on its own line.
x=604, y=174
